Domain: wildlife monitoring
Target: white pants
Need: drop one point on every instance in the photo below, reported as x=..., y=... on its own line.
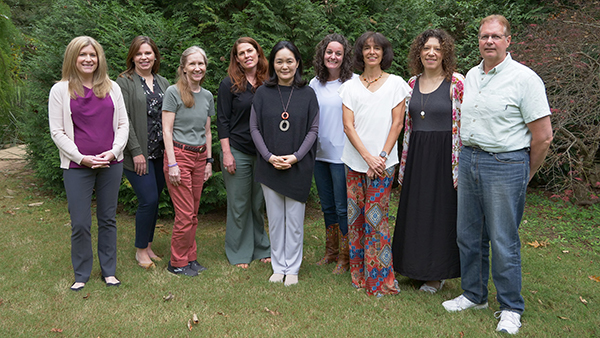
x=286, y=230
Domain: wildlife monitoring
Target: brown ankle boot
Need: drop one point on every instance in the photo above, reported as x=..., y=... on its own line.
x=331, y=245
x=344, y=257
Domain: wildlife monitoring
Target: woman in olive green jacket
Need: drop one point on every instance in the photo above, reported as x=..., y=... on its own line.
x=143, y=92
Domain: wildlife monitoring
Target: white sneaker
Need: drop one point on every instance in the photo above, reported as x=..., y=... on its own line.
x=462, y=303
x=510, y=321
x=290, y=280
x=431, y=289
x=276, y=278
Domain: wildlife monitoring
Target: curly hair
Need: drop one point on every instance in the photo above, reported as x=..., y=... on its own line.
x=236, y=72
x=379, y=40
x=321, y=72
x=447, y=45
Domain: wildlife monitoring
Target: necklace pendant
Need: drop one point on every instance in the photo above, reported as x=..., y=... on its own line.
x=284, y=125
x=422, y=115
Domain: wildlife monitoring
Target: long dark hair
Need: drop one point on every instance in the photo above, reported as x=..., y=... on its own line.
x=236, y=72
x=321, y=71
x=378, y=39
x=273, y=80
x=446, y=43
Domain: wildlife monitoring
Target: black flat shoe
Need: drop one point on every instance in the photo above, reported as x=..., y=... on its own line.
x=77, y=289
x=111, y=284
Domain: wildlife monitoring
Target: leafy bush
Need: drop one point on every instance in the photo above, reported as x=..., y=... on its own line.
x=214, y=25
x=565, y=52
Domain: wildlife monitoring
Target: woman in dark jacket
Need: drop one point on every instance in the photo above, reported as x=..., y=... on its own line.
x=143, y=91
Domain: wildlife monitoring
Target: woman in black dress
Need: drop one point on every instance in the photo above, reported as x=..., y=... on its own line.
x=424, y=246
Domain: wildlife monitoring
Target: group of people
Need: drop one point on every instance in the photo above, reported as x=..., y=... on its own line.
x=469, y=149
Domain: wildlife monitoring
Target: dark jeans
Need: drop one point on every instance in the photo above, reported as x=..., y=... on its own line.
x=331, y=185
x=79, y=185
x=147, y=189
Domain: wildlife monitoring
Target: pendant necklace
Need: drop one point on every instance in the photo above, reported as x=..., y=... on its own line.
x=369, y=83
x=423, y=105
x=284, y=125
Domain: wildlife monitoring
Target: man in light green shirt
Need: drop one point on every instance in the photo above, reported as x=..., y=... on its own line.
x=506, y=133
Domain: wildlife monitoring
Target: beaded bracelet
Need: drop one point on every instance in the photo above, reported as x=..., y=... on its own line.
x=172, y=165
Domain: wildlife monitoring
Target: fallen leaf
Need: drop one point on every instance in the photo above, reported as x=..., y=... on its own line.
x=533, y=291
x=274, y=313
x=47, y=210
x=462, y=334
x=222, y=314
x=36, y=204
x=540, y=301
x=315, y=237
x=56, y=330
x=585, y=302
x=86, y=296
x=565, y=251
x=10, y=212
x=168, y=297
x=195, y=319
x=563, y=318
x=560, y=259
x=189, y=324
x=595, y=278
x=159, y=225
x=537, y=244
x=10, y=192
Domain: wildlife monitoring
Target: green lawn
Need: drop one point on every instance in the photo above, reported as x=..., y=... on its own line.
x=35, y=274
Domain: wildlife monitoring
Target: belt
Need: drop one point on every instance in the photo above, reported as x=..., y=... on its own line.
x=196, y=149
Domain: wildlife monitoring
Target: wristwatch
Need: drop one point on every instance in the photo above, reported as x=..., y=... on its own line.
x=210, y=160
x=383, y=154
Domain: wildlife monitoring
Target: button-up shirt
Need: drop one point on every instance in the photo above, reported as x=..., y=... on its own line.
x=498, y=105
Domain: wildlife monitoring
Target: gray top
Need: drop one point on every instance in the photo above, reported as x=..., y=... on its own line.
x=189, y=124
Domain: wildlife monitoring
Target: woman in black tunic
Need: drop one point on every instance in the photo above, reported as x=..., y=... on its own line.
x=424, y=246
x=284, y=122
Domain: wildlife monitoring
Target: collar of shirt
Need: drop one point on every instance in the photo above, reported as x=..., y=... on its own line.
x=507, y=60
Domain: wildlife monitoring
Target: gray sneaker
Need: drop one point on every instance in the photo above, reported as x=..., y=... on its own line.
x=185, y=270
x=194, y=265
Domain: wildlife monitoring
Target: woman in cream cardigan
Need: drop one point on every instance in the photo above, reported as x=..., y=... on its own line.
x=88, y=124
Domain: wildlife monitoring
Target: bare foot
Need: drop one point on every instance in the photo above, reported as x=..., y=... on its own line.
x=141, y=256
x=242, y=265
x=151, y=253
x=266, y=260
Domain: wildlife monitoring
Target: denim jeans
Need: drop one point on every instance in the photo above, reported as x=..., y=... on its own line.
x=147, y=189
x=491, y=199
x=331, y=185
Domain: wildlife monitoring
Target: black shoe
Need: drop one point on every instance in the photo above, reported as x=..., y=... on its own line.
x=186, y=270
x=194, y=265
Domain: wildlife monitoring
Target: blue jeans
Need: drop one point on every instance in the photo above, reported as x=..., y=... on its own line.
x=491, y=199
x=331, y=184
x=147, y=189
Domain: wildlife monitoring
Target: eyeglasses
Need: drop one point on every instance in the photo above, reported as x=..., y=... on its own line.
x=494, y=37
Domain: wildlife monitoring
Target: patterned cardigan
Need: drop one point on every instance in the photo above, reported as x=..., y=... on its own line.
x=457, y=91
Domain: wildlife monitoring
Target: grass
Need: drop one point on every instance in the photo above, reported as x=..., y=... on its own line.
x=35, y=273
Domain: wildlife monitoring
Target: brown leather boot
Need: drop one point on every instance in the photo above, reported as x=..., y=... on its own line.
x=343, y=262
x=331, y=245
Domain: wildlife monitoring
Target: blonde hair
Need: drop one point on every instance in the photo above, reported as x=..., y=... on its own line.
x=500, y=19
x=185, y=91
x=101, y=83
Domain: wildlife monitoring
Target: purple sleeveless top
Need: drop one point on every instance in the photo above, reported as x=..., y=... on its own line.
x=92, y=124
